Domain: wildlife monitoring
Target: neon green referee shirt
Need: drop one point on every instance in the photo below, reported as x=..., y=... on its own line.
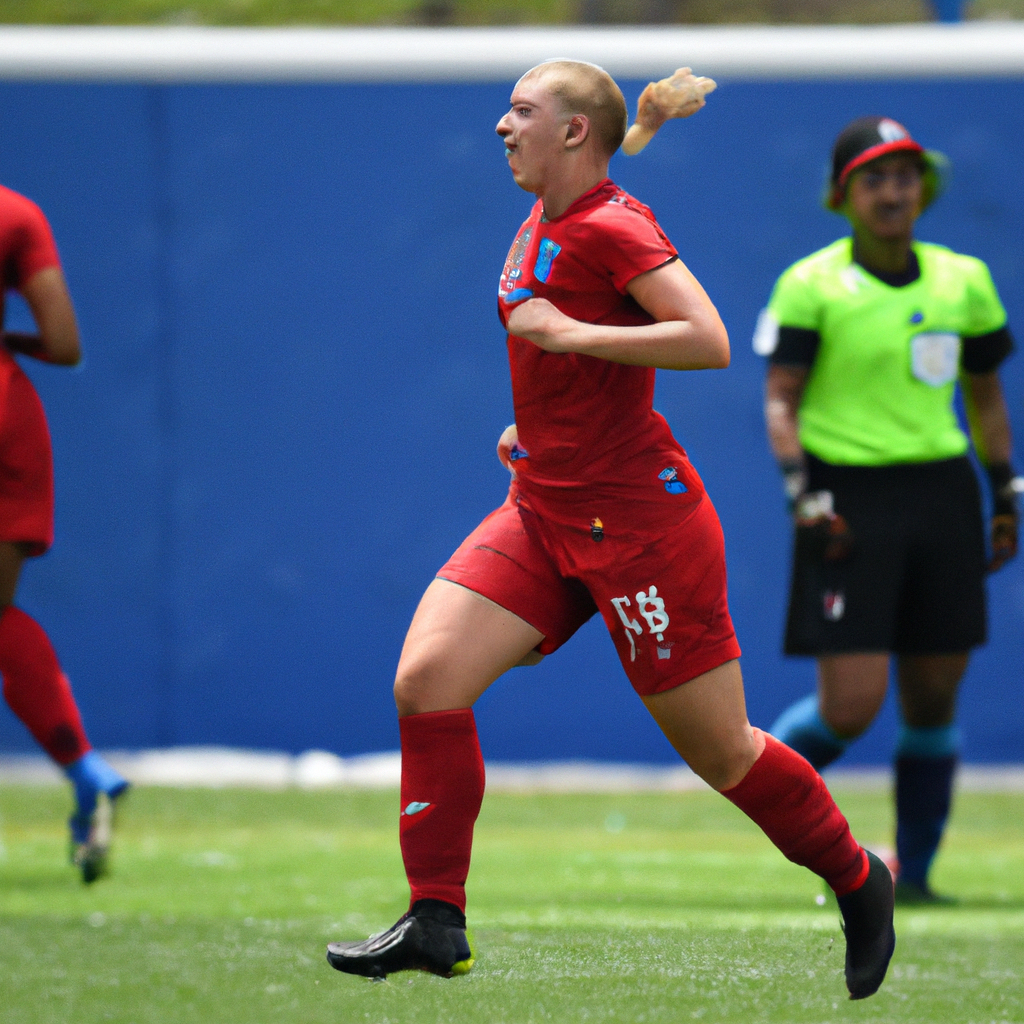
x=882, y=383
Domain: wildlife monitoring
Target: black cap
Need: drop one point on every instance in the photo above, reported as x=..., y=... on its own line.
x=869, y=138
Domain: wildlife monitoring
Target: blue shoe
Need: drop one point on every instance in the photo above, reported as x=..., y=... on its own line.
x=98, y=788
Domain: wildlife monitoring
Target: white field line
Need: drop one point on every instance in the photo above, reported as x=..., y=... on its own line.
x=197, y=54
x=220, y=767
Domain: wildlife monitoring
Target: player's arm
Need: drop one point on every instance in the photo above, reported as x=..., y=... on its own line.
x=56, y=340
x=688, y=335
x=990, y=431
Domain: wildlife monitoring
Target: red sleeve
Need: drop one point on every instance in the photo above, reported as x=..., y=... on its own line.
x=26, y=241
x=631, y=242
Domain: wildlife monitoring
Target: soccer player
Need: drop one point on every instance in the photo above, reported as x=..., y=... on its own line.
x=605, y=514
x=866, y=341
x=34, y=686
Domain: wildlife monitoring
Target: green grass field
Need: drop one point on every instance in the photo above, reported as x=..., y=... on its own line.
x=476, y=12
x=626, y=908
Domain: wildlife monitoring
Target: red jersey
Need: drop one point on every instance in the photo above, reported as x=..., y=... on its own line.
x=26, y=247
x=582, y=421
x=26, y=466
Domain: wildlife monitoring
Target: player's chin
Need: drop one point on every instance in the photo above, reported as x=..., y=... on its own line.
x=522, y=179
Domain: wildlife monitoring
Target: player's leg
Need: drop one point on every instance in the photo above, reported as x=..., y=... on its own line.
x=927, y=754
x=38, y=693
x=667, y=611
x=705, y=720
x=851, y=690
x=498, y=602
x=458, y=644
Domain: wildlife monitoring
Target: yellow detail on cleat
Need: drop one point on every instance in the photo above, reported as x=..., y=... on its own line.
x=464, y=966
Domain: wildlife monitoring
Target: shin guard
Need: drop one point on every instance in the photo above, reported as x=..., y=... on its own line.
x=442, y=789
x=787, y=798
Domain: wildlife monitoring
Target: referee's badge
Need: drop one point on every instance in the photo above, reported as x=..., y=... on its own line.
x=833, y=605
x=935, y=358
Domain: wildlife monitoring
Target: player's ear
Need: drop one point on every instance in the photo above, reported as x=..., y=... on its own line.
x=577, y=130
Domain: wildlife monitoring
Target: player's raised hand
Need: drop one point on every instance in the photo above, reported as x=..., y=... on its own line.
x=679, y=96
x=539, y=321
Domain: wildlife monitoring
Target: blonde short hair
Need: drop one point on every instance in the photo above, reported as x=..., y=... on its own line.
x=584, y=88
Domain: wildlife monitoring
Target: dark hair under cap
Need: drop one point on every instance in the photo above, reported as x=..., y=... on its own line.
x=869, y=138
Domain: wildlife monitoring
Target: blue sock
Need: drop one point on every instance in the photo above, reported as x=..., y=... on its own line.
x=91, y=775
x=801, y=727
x=926, y=761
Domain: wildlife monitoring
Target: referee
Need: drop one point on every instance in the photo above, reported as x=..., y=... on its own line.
x=866, y=340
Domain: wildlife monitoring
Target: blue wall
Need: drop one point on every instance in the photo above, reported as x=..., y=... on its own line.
x=295, y=380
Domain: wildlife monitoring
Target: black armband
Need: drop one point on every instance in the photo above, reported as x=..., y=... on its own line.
x=1005, y=488
x=984, y=352
x=797, y=346
x=23, y=343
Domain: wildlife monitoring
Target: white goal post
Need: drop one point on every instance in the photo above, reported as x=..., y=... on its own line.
x=980, y=49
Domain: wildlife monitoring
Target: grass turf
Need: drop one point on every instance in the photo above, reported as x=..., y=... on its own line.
x=477, y=12
x=640, y=908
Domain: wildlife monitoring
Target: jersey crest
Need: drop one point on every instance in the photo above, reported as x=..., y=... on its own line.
x=508, y=287
x=935, y=358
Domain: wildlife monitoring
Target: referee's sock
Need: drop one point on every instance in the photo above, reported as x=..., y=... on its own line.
x=925, y=767
x=801, y=727
x=36, y=689
x=442, y=789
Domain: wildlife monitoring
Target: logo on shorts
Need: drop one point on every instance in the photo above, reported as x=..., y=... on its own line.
x=652, y=608
x=833, y=605
x=672, y=482
x=596, y=529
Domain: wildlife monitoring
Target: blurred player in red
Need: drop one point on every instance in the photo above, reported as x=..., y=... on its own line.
x=605, y=514
x=34, y=686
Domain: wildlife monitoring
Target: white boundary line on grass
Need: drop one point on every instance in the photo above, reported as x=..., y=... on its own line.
x=192, y=54
x=222, y=767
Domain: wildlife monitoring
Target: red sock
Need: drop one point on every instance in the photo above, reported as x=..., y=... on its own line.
x=37, y=690
x=793, y=806
x=442, y=789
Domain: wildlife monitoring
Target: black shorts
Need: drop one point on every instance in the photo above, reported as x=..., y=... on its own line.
x=914, y=581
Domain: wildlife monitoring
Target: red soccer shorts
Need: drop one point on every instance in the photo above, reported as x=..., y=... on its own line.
x=26, y=462
x=660, y=586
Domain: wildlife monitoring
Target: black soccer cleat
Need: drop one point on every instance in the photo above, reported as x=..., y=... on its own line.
x=430, y=937
x=870, y=936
